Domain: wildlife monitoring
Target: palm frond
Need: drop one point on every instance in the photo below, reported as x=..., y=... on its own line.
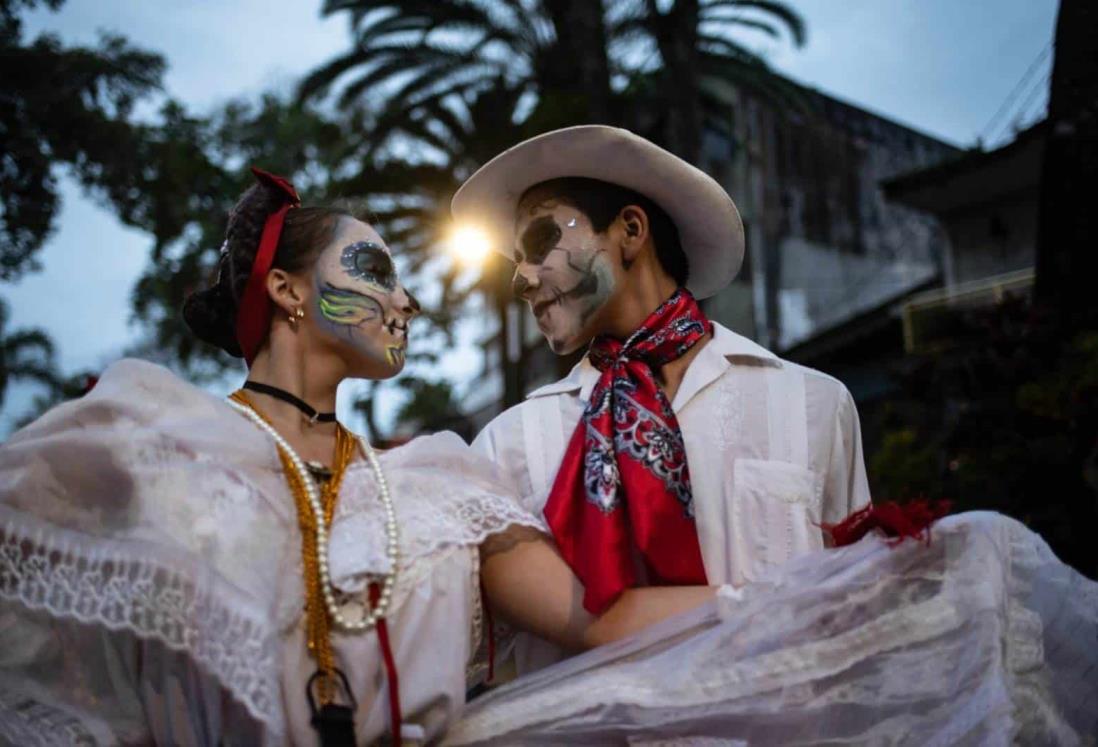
x=22, y=342
x=319, y=81
x=720, y=47
x=747, y=23
x=791, y=19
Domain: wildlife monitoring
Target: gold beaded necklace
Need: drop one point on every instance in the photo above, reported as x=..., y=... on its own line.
x=318, y=627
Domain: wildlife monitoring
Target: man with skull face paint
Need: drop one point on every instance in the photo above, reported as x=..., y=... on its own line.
x=679, y=453
x=676, y=451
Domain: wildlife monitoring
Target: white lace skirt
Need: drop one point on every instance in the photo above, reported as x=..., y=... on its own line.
x=982, y=637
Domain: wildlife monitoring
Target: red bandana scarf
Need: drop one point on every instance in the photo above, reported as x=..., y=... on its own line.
x=623, y=489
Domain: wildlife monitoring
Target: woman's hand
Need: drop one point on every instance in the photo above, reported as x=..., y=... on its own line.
x=528, y=584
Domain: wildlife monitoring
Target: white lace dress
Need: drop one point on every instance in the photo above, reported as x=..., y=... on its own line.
x=981, y=638
x=150, y=575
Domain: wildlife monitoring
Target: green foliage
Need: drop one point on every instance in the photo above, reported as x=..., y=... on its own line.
x=64, y=106
x=431, y=406
x=71, y=108
x=906, y=466
x=576, y=61
x=25, y=354
x=1006, y=420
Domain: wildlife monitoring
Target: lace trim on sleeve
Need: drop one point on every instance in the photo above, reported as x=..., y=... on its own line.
x=118, y=586
x=442, y=501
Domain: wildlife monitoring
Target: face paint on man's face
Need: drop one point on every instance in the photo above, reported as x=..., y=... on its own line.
x=360, y=299
x=574, y=273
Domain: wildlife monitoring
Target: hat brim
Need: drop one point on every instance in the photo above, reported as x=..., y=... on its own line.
x=709, y=225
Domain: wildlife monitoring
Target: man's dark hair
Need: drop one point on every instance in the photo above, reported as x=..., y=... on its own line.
x=602, y=202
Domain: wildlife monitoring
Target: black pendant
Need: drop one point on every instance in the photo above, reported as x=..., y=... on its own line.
x=335, y=724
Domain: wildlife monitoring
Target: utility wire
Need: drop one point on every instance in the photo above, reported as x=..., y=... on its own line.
x=1040, y=87
x=1013, y=95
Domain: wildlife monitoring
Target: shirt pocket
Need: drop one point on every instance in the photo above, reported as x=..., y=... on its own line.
x=776, y=513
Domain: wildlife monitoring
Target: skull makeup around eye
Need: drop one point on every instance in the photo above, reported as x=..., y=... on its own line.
x=361, y=303
x=367, y=261
x=540, y=237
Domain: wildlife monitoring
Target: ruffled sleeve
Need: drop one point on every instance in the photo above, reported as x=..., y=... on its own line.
x=140, y=555
x=445, y=495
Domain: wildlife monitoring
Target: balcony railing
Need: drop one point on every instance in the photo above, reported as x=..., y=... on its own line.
x=930, y=317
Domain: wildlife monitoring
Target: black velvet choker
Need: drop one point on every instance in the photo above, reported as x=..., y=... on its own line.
x=282, y=394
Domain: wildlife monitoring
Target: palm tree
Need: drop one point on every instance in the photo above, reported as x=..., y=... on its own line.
x=696, y=44
x=24, y=354
x=623, y=62
x=417, y=51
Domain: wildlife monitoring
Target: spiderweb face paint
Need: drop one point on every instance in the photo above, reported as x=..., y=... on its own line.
x=564, y=272
x=360, y=301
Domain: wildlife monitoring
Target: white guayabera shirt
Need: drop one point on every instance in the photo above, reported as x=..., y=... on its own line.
x=774, y=449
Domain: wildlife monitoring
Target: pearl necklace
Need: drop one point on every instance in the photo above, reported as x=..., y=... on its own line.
x=392, y=549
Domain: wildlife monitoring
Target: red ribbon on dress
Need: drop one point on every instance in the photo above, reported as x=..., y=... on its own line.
x=622, y=495
x=395, y=722
x=253, y=316
x=896, y=520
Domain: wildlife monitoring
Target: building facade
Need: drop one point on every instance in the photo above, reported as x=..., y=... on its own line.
x=987, y=203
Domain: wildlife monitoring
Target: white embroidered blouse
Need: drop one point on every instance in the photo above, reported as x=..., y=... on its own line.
x=151, y=583
x=773, y=448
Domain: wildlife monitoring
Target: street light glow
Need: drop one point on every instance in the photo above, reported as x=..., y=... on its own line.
x=470, y=244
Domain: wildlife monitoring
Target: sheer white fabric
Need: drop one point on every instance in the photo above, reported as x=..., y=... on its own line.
x=150, y=574
x=982, y=637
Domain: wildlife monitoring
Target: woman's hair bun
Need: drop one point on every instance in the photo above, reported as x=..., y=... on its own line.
x=211, y=313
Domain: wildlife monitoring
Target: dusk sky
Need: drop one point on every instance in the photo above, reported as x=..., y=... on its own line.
x=943, y=67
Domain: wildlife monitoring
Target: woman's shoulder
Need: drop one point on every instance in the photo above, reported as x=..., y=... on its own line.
x=445, y=454
x=144, y=382
x=441, y=475
x=136, y=402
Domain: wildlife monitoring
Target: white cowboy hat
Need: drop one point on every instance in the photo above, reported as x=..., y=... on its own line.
x=709, y=224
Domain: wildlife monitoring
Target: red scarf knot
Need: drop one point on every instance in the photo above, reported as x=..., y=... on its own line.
x=622, y=494
x=253, y=316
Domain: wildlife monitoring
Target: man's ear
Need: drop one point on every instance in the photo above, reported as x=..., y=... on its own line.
x=285, y=290
x=634, y=232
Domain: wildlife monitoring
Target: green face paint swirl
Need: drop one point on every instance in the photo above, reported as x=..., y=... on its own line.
x=359, y=301
x=346, y=307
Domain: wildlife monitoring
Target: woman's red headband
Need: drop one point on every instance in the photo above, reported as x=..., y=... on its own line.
x=253, y=317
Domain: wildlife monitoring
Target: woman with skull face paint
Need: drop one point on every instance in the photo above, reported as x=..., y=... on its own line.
x=180, y=569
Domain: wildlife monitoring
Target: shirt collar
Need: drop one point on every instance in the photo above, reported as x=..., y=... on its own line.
x=711, y=362
x=728, y=344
